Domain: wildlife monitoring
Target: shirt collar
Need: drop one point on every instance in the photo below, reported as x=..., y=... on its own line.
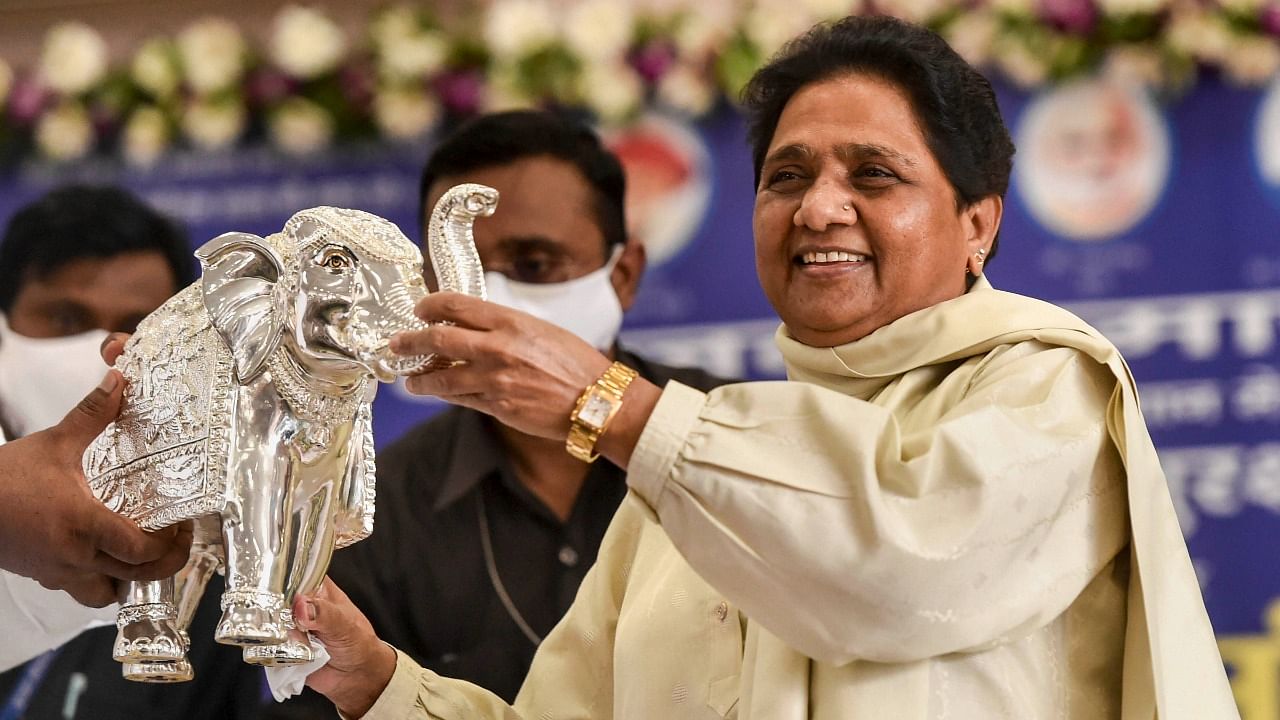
x=475, y=454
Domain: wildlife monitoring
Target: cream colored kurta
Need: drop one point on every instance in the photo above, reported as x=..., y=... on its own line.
x=959, y=516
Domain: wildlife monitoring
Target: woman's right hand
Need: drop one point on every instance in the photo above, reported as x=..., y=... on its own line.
x=360, y=665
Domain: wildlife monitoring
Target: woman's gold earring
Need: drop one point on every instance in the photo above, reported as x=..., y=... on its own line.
x=970, y=268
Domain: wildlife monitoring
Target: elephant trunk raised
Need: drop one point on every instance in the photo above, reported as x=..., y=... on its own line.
x=248, y=409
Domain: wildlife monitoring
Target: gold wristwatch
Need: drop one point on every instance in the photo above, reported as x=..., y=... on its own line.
x=595, y=409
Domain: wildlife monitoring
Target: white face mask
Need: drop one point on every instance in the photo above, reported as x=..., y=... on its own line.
x=587, y=306
x=41, y=379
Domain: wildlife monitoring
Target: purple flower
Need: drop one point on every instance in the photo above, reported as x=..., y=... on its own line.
x=28, y=99
x=652, y=60
x=357, y=83
x=460, y=91
x=268, y=86
x=105, y=118
x=1072, y=16
x=1270, y=18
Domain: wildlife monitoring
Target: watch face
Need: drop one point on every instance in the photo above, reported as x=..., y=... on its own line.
x=595, y=410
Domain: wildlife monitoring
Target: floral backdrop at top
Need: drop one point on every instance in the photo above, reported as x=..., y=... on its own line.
x=310, y=82
x=1146, y=194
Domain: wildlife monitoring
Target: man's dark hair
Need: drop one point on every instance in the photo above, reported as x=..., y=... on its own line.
x=78, y=222
x=501, y=138
x=953, y=102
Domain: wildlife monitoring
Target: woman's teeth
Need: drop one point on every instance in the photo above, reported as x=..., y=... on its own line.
x=834, y=256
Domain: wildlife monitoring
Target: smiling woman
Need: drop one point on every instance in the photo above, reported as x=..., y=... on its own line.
x=856, y=223
x=952, y=509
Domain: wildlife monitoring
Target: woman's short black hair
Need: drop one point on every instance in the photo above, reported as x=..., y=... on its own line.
x=502, y=138
x=953, y=102
x=77, y=222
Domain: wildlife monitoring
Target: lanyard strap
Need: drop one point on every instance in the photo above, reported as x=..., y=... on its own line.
x=22, y=693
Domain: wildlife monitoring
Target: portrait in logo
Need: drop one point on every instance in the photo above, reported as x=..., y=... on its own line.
x=1093, y=158
x=1267, y=141
x=668, y=172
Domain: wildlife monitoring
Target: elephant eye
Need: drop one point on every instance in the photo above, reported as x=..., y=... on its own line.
x=335, y=259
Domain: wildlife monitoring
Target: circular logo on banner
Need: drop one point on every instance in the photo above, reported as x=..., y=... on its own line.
x=1093, y=158
x=668, y=182
x=1267, y=141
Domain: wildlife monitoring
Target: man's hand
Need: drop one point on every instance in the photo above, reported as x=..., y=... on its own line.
x=54, y=530
x=360, y=665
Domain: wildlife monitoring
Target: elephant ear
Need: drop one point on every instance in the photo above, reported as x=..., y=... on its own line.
x=241, y=273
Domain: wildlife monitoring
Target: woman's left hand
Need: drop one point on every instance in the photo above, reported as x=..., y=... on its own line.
x=523, y=371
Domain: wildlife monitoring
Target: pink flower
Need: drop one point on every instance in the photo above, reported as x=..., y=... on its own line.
x=105, y=118
x=358, y=85
x=1270, y=18
x=28, y=99
x=1072, y=16
x=652, y=60
x=460, y=91
x=268, y=86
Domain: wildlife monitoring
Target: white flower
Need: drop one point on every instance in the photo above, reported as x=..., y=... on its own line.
x=769, y=24
x=413, y=56
x=154, y=68
x=916, y=11
x=686, y=90
x=1132, y=7
x=612, y=90
x=1197, y=33
x=1243, y=7
x=698, y=35
x=212, y=126
x=306, y=43
x=6, y=81
x=65, y=133
x=146, y=135
x=502, y=91
x=972, y=36
x=301, y=127
x=405, y=113
x=1019, y=8
x=517, y=27
x=1025, y=68
x=212, y=54
x=394, y=23
x=74, y=58
x=831, y=9
x=1136, y=65
x=599, y=29
x=1253, y=60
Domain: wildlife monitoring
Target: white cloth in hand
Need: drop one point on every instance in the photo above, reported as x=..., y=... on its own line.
x=288, y=680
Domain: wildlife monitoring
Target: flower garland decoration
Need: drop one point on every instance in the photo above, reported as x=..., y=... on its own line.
x=207, y=87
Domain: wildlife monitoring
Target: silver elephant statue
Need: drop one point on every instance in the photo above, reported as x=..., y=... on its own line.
x=247, y=410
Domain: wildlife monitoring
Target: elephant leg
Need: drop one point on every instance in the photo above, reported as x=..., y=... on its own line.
x=313, y=548
x=254, y=527
x=188, y=587
x=147, y=624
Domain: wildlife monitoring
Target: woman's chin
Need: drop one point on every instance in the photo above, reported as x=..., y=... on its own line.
x=828, y=334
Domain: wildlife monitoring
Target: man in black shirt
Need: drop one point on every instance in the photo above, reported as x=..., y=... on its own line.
x=483, y=533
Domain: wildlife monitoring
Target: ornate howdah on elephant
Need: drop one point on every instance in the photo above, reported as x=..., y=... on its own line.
x=247, y=410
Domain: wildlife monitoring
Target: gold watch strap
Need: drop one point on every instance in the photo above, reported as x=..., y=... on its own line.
x=610, y=387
